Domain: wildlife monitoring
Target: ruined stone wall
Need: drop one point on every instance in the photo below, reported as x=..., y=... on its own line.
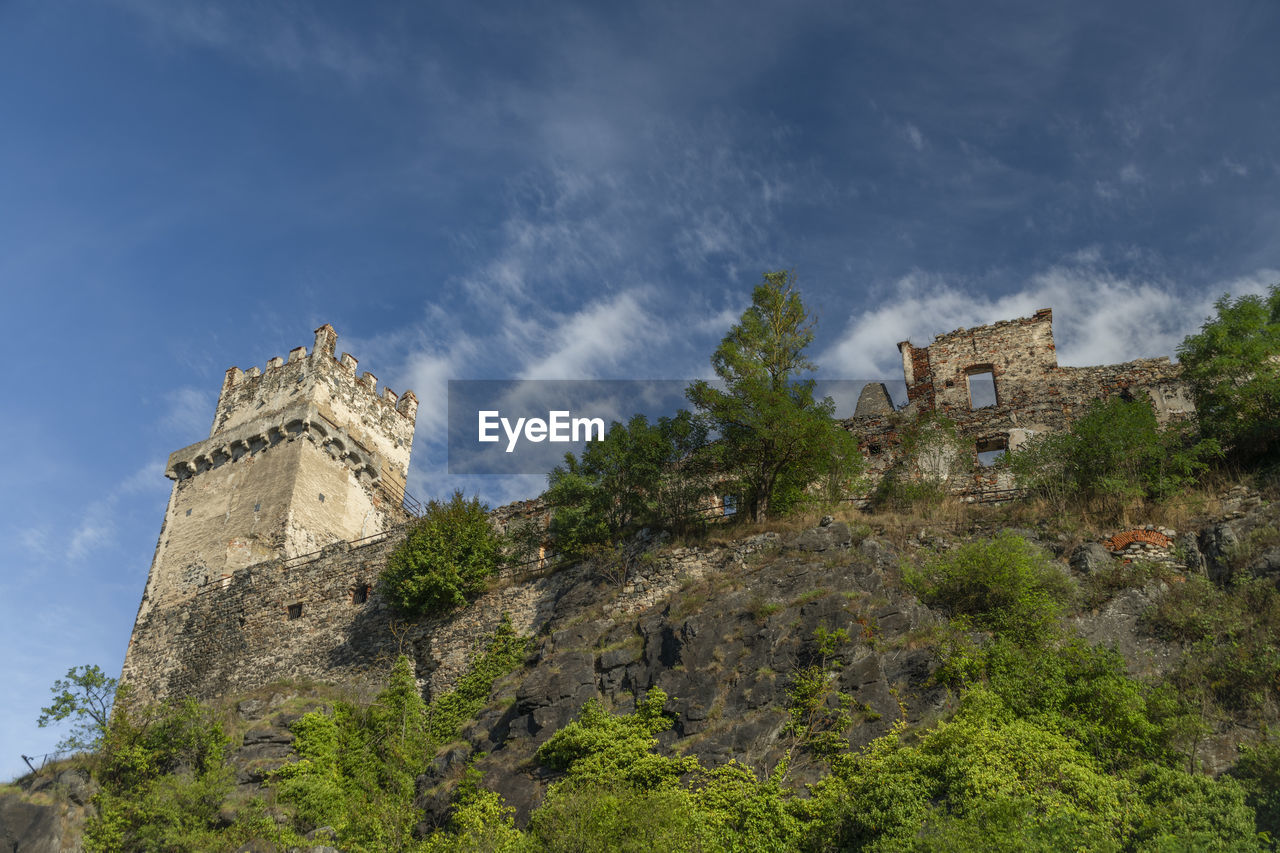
x=1001, y=385
x=324, y=618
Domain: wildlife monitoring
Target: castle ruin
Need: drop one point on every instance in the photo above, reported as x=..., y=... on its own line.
x=1000, y=385
x=280, y=521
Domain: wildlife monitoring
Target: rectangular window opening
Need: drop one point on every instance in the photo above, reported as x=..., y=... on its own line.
x=295, y=611
x=982, y=389
x=730, y=504
x=360, y=594
x=992, y=450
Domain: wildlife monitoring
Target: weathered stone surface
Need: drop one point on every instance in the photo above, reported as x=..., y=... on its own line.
x=873, y=401
x=1115, y=625
x=54, y=821
x=823, y=538
x=1188, y=546
x=1218, y=542
x=1090, y=558
x=1267, y=563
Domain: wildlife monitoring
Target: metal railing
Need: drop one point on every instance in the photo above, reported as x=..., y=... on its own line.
x=46, y=759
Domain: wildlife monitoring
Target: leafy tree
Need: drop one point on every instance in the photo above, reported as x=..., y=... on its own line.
x=1233, y=364
x=445, y=558
x=774, y=436
x=640, y=475
x=84, y=696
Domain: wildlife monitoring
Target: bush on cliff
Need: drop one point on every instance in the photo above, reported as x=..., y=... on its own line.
x=163, y=779
x=1005, y=585
x=1116, y=454
x=445, y=559
x=640, y=475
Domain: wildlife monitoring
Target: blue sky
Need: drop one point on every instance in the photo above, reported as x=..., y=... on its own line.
x=569, y=191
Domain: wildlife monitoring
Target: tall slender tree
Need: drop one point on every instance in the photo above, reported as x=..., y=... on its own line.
x=775, y=438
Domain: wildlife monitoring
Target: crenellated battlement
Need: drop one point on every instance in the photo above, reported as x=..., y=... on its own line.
x=253, y=389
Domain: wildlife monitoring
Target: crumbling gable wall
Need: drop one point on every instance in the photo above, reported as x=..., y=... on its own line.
x=1001, y=384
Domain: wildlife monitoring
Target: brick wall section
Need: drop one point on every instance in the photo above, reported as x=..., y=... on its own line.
x=1150, y=537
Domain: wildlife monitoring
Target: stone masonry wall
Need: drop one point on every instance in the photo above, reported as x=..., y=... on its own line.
x=325, y=619
x=1032, y=394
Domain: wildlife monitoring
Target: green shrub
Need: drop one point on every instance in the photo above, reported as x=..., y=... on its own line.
x=1084, y=691
x=163, y=778
x=1231, y=641
x=479, y=821
x=1258, y=771
x=357, y=765
x=1004, y=585
x=983, y=756
x=445, y=559
x=605, y=749
x=504, y=653
x=1116, y=453
x=1174, y=810
x=582, y=817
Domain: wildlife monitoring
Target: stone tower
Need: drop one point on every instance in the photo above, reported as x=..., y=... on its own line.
x=301, y=455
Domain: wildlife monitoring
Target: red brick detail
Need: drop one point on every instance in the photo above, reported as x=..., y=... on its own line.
x=1128, y=537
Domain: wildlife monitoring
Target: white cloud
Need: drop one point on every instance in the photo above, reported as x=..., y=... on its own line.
x=293, y=39
x=594, y=341
x=1099, y=318
x=97, y=526
x=914, y=136
x=96, y=530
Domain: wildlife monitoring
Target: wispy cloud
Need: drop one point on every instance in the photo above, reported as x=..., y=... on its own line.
x=96, y=528
x=188, y=412
x=289, y=36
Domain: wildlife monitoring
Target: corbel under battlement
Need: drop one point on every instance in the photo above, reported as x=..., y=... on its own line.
x=303, y=422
